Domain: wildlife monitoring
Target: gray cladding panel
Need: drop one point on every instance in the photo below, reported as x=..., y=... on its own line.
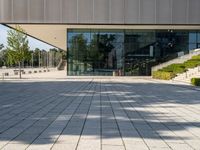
x=36, y=10
x=132, y=11
x=194, y=11
x=20, y=10
x=1, y=9
x=6, y=10
x=163, y=11
x=147, y=11
x=85, y=11
x=69, y=11
x=117, y=11
x=53, y=11
x=101, y=11
x=179, y=12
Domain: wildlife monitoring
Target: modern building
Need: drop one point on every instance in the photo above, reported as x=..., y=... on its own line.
x=102, y=36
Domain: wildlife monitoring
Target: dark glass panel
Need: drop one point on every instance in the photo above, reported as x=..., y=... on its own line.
x=192, y=37
x=198, y=36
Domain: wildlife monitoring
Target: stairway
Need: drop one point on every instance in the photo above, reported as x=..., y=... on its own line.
x=180, y=59
x=62, y=65
x=187, y=76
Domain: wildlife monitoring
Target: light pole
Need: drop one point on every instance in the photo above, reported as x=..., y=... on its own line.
x=39, y=59
x=32, y=59
x=47, y=59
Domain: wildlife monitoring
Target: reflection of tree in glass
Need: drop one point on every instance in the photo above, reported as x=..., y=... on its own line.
x=94, y=54
x=101, y=46
x=78, y=50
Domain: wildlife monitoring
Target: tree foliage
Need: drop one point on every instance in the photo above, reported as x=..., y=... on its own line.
x=1, y=46
x=17, y=49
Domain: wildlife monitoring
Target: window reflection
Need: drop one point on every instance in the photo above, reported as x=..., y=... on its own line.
x=129, y=52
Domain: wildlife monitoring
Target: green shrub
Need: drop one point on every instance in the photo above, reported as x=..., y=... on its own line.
x=190, y=64
x=163, y=75
x=195, y=81
x=197, y=58
x=175, y=68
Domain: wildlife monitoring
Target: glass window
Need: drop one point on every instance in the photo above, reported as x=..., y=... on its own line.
x=198, y=36
x=192, y=37
x=192, y=46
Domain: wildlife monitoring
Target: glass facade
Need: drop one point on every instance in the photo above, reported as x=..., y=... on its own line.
x=125, y=52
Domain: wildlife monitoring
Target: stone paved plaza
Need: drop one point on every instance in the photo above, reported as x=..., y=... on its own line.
x=98, y=114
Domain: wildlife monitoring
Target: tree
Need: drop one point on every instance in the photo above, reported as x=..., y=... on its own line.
x=18, y=49
x=100, y=47
x=1, y=46
x=2, y=55
x=79, y=51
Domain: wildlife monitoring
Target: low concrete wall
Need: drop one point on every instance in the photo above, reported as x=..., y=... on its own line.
x=10, y=72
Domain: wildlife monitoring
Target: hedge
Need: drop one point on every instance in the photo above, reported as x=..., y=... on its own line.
x=191, y=64
x=196, y=58
x=195, y=81
x=163, y=75
x=175, y=68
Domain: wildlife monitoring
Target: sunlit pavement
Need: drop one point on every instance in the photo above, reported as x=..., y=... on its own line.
x=52, y=111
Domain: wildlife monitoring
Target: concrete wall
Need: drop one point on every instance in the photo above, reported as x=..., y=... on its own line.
x=101, y=11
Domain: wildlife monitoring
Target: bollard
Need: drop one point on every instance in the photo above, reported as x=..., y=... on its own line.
x=2, y=76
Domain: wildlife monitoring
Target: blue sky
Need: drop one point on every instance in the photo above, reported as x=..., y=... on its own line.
x=33, y=43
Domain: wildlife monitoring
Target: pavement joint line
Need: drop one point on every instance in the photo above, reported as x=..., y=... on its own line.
x=86, y=116
x=116, y=120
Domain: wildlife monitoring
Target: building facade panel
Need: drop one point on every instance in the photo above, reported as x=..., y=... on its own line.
x=53, y=11
x=147, y=11
x=163, y=11
x=194, y=11
x=101, y=11
x=7, y=10
x=132, y=11
x=85, y=11
x=179, y=11
x=36, y=16
x=69, y=11
x=117, y=11
x=20, y=10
